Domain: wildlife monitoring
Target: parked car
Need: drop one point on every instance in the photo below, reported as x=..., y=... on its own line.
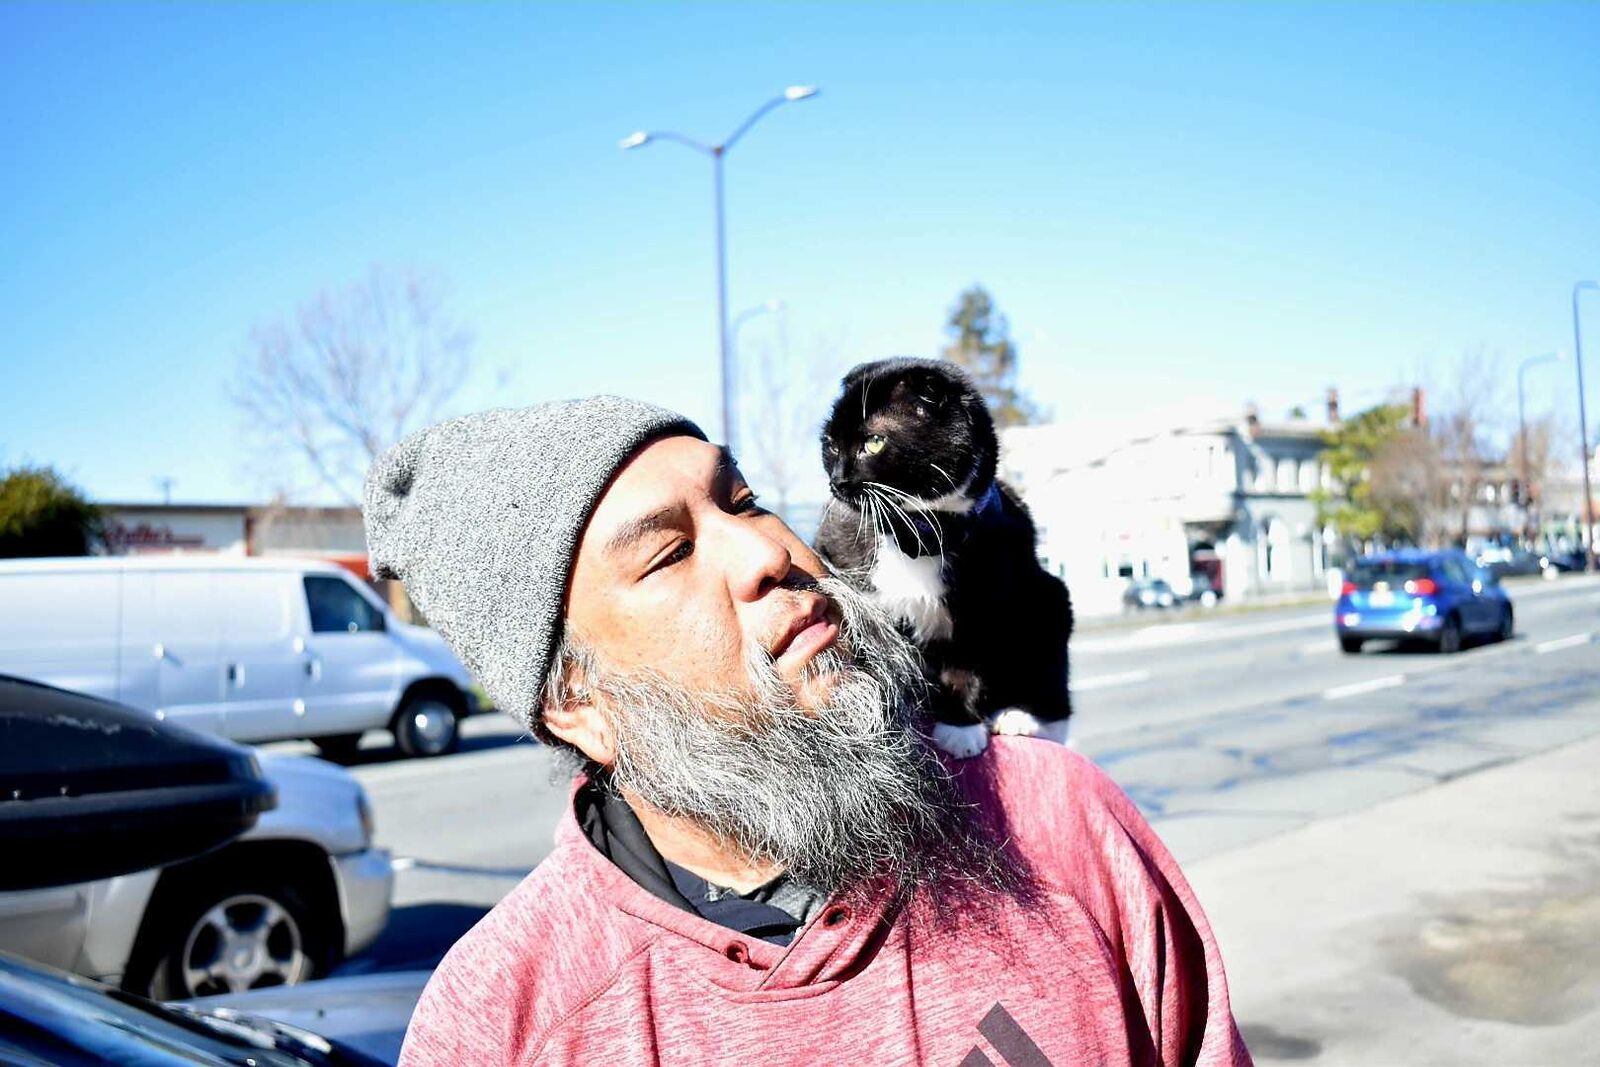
x=1149, y=593
x=280, y=903
x=48, y=1016
x=1440, y=597
x=1202, y=591
x=251, y=649
x=1563, y=563
x=1508, y=562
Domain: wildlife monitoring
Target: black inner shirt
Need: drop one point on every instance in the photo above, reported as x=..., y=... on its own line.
x=772, y=912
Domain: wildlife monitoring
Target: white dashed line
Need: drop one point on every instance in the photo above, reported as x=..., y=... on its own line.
x=1312, y=648
x=1562, y=642
x=1339, y=692
x=1109, y=681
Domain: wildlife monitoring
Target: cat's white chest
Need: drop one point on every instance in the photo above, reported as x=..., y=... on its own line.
x=911, y=589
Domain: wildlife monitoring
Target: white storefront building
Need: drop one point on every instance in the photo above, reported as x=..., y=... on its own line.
x=1226, y=498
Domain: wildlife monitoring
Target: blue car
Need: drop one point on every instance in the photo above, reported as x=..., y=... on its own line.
x=1414, y=595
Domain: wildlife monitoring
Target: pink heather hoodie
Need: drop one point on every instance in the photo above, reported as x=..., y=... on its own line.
x=1114, y=965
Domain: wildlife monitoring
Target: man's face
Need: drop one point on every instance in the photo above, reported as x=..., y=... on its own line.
x=681, y=573
x=728, y=682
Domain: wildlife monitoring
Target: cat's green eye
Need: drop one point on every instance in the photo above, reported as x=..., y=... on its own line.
x=874, y=445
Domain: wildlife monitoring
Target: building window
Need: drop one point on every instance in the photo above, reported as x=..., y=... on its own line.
x=1308, y=475
x=1285, y=475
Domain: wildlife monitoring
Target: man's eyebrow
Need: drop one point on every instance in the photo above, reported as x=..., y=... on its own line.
x=633, y=531
x=668, y=516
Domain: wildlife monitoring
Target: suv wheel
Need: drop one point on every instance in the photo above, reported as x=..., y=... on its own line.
x=1350, y=645
x=1508, y=626
x=238, y=934
x=426, y=725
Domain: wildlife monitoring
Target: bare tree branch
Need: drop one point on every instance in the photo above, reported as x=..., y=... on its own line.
x=358, y=369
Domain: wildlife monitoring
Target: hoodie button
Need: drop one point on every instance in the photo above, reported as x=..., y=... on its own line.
x=737, y=952
x=836, y=917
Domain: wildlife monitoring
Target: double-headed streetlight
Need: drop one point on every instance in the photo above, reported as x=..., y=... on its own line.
x=1522, y=436
x=717, y=152
x=1583, y=428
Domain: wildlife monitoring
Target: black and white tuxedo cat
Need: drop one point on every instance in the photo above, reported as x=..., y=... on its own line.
x=920, y=522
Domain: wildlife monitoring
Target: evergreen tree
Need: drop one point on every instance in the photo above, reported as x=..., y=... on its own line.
x=980, y=343
x=42, y=515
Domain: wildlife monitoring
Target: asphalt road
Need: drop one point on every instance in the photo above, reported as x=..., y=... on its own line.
x=1225, y=729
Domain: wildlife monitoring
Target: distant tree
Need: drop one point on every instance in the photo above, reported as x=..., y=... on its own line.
x=355, y=371
x=1368, y=457
x=1534, y=469
x=1463, y=420
x=41, y=514
x=785, y=399
x=980, y=342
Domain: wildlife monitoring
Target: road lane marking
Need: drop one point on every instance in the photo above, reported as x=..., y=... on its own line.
x=1372, y=685
x=1108, y=681
x=1562, y=642
x=1312, y=648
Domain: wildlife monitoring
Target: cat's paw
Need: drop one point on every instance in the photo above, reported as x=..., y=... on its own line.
x=1057, y=731
x=962, y=742
x=1014, y=722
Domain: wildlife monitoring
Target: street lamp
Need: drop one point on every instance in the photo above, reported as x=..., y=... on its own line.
x=1522, y=435
x=1583, y=428
x=641, y=138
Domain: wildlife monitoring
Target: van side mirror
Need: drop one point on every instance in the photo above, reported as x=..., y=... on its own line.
x=90, y=789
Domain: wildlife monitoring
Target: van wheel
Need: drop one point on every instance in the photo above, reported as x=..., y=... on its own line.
x=340, y=748
x=425, y=725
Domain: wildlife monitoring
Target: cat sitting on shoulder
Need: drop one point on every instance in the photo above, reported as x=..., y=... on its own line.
x=920, y=522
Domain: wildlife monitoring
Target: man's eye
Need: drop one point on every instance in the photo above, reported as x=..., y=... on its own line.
x=682, y=552
x=874, y=444
x=746, y=504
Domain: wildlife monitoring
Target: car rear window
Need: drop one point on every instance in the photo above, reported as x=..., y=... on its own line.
x=1394, y=572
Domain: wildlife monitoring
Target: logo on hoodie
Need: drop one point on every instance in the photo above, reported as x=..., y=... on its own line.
x=1009, y=1039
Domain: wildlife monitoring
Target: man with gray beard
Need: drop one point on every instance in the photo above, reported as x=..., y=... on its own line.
x=765, y=860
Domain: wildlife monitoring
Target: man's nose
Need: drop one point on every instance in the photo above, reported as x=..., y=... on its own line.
x=760, y=561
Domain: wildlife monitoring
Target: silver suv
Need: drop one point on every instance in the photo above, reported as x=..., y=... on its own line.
x=283, y=903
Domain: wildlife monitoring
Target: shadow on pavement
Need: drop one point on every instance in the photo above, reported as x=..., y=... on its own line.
x=386, y=751
x=416, y=938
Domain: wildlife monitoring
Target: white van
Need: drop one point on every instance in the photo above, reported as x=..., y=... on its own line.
x=254, y=649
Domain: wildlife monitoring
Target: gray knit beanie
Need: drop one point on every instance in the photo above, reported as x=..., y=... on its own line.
x=480, y=517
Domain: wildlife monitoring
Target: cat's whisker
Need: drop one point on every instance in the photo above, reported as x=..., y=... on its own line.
x=934, y=525
x=897, y=509
x=946, y=475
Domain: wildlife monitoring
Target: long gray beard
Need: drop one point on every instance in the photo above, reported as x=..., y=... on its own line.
x=837, y=795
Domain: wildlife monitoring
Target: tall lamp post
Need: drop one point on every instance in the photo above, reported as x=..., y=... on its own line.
x=1522, y=436
x=1583, y=428
x=717, y=151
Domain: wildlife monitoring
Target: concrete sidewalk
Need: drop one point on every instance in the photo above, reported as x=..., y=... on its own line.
x=1457, y=925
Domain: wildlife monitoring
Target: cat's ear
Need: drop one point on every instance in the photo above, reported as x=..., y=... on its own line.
x=927, y=387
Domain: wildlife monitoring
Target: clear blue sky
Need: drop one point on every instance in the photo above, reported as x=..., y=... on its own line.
x=1174, y=203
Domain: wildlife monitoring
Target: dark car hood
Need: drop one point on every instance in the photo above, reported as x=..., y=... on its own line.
x=366, y=1012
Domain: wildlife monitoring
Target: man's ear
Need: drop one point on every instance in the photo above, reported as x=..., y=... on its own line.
x=580, y=724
